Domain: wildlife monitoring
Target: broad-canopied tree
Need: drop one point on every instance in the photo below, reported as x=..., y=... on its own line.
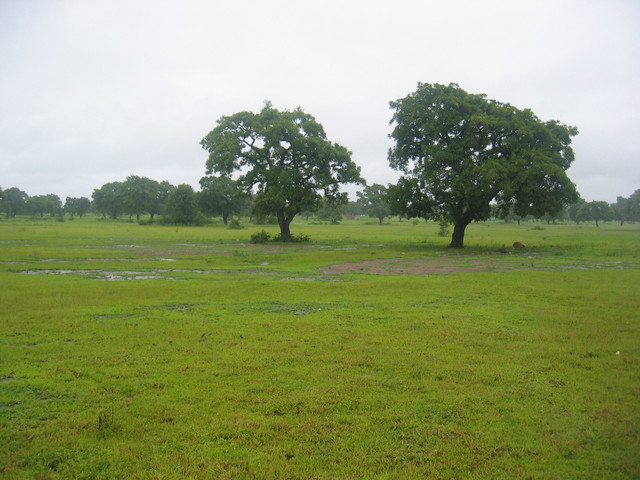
x=374, y=201
x=283, y=157
x=77, y=206
x=137, y=194
x=41, y=204
x=459, y=152
x=221, y=196
x=13, y=202
x=596, y=211
x=108, y=199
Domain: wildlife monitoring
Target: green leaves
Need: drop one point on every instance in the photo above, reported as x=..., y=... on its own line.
x=282, y=156
x=465, y=151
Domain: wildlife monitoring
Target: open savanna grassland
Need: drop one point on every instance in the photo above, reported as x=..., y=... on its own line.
x=372, y=352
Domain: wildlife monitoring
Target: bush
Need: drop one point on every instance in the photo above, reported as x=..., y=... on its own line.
x=260, y=237
x=234, y=224
x=293, y=239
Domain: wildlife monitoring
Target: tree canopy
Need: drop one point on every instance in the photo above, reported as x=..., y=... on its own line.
x=596, y=211
x=373, y=200
x=283, y=157
x=13, y=202
x=77, y=206
x=460, y=152
x=135, y=196
x=220, y=196
x=182, y=205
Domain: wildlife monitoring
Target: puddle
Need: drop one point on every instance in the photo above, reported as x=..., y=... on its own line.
x=101, y=274
x=163, y=274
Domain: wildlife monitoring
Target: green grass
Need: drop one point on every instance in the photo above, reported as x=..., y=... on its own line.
x=215, y=358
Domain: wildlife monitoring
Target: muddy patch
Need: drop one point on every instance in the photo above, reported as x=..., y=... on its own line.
x=418, y=266
x=461, y=264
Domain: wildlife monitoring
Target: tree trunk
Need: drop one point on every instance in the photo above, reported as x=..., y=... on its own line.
x=225, y=218
x=284, y=223
x=457, y=239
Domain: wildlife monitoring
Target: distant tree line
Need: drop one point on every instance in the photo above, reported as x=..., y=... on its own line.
x=221, y=197
x=623, y=210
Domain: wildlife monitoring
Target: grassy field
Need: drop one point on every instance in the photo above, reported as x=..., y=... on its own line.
x=373, y=352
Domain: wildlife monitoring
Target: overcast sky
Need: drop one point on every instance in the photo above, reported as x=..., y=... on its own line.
x=92, y=91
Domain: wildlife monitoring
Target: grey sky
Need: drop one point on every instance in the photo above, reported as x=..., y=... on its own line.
x=92, y=91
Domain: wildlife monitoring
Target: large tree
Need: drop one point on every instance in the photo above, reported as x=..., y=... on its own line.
x=460, y=152
x=283, y=157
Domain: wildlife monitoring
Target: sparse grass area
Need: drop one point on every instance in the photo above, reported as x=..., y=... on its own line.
x=208, y=357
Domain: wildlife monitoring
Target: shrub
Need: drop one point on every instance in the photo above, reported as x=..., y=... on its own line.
x=260, y=237
x=292, y=239
x=235, y=224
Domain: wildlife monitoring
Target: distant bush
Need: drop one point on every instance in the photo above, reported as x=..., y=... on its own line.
x=235, y=224
x=260, y=237
x=264, y=237
x=292, y=239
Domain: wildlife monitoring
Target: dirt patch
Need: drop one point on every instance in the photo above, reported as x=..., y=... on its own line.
x=463, y=263
x=421, y=266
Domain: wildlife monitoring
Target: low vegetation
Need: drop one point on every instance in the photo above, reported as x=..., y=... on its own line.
x=371, y=351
